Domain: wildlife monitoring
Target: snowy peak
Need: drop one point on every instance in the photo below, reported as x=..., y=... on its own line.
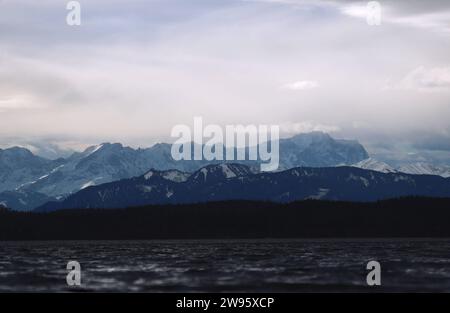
x=105, y=148
x=425, y=169
x=210, y=173
x=419, y=168
x=220, y=171
x=102, y=148
x=170, y=175
x=375, y=165
x=92, y=149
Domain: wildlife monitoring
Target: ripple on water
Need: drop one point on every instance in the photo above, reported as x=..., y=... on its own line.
x=239, y=265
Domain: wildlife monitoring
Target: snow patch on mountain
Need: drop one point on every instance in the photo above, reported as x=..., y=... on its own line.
x=88, y=184
x=95, y=149
x=322, y=192
x=353, y=177
x=148, y=175
x=421, y=168
x=220, y=171
x=375, y=165
x=204, y=172
x=227, y=172
x=169, y=193
x=175, y=176
x=147, y=188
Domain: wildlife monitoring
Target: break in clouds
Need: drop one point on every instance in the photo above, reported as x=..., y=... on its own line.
x=130, y=73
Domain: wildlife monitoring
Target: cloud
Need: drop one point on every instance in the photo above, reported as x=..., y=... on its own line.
x=424, y=79
x=131, y=72
x=293, y=128
x=356, y=10
x=301, y=85
x=434, y=16
x=17, y=102
x=437, y=22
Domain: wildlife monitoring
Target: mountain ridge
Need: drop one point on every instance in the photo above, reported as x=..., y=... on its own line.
x=112, y=161
x=215, y=183
x=35, y=177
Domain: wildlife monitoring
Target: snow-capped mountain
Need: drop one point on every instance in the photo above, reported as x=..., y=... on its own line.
x=104, y=163
x=375, y=165
x=421, y=168
x=18, y=166
x=239, y=182
x=31, y=178
x=96, y=165
x=110, y=162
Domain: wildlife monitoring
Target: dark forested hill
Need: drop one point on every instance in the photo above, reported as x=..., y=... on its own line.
x=405, y=217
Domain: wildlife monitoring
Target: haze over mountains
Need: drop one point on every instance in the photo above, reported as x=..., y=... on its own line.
x=28, y=181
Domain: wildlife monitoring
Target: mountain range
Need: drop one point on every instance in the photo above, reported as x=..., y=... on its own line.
x=222, y=182
x=27, y=177
x=28, y=181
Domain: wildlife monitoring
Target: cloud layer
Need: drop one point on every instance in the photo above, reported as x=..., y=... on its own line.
x=131, y=72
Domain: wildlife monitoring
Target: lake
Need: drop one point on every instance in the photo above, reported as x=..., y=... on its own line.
x=226, y=265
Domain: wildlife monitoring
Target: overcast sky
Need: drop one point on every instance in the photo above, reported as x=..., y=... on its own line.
x=134, y=69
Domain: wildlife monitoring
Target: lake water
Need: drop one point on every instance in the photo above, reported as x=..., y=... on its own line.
x=226, y=266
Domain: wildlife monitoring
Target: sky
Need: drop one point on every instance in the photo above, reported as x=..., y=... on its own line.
x=133, y=70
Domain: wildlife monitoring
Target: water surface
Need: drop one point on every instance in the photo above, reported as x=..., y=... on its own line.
x=226, y=266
